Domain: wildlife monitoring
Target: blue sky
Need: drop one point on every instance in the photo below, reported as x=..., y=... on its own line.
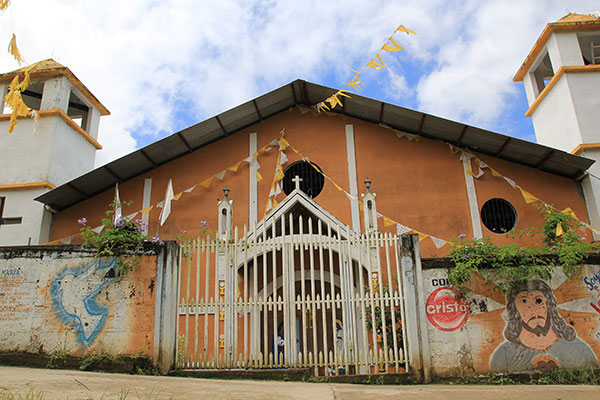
x=160, y=66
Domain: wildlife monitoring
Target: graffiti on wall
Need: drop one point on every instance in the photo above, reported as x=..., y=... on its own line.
x=74, y=291
x=536, y=335
x=12, y=295
x=553, y=323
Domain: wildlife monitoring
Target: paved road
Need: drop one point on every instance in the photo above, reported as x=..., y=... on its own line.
x=60, y=384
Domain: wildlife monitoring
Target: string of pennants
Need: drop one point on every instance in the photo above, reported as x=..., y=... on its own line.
x=355, y=83
x=280, y=143
x=527, y=196
x=400, y=228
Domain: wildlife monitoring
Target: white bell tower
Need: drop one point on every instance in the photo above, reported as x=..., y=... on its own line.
x=44, y=153
x=561, y=75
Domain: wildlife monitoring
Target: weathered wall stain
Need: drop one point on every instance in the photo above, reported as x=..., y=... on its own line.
x=74, y=292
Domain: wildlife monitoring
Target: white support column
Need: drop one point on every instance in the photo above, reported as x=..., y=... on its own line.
x=3, y=90
x=352, y=180
x=93, y=122
x=146, y=201
x=472, y=196
x=253, y=186
x=57, y=92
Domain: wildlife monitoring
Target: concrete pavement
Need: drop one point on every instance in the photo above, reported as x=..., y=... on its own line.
x=66, y=384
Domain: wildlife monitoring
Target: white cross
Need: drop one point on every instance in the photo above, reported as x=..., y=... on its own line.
x=297, y=181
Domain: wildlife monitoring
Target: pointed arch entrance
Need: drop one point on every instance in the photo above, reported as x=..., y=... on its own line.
x=298, y=290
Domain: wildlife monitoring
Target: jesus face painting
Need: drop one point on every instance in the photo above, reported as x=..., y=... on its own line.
x=536, y=335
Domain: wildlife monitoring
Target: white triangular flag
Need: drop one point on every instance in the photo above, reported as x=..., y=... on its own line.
x=131, y=216
x=349, y=196
x=511, y=182
x=248, y=159
x=482, y=164
x=283, y=158
x=277, y=189
x=272, y=192
x=269, y=205
x=274, y=142
x=160, y=204
x=401, y=229
x=379, y=215
x=98, y=229
x=164, y=214
x=221, y=175
x=437, y=242
x=116, y=205
x=190, y=189
x=464, y=156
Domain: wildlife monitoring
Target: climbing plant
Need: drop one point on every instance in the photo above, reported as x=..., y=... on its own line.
x=508, y=266
x=117, y=238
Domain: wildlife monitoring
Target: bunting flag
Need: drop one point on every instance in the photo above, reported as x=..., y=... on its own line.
x=206, y=183
x=401, y=229
x=131, y=216
x=376, y=65
x=355, y=83
x=439, y=243
x=177, y=196
x=98, y=229
x=235, y=166
x=117, y=205
x=147, y=210
x=164, y=214
x=394, y=47
x=14, y=50
x=402, y=28
x=528, y=197
x=278, y=175
x=221, y=175
x=559, y=229
x=259, y=177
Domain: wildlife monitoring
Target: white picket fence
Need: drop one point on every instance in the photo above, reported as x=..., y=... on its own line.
x=293, y=294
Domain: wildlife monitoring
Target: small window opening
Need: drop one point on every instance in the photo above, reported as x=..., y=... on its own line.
x=370, y=213
x=224, y=221
x=78, y=111
x=543, y=73
x=589, y=44
x=498, y=215
x=312, y=178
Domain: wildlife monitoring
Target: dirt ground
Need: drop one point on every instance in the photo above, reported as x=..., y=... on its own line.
x=63, y=384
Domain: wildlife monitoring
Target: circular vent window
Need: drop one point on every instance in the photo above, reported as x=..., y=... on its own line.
x=498, y=215
x=312, y=179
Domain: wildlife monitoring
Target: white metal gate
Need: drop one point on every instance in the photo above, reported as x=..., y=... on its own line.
x=294, y=293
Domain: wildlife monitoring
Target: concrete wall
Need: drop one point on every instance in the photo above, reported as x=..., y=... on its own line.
x=554, y=119
x=470, y=335
x=19, y=203
x=63, y=298
x=25, y=153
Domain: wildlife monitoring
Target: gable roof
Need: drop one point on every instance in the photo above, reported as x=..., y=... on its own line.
x=300, y=93
x=49, y=68
x=570, y=22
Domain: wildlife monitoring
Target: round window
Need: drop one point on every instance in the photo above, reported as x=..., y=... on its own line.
x=498, y=215
x=312, y=180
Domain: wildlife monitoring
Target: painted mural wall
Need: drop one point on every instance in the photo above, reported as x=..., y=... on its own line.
x=542, y=324
x=66, y=299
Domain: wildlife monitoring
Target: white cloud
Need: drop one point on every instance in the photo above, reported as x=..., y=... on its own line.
x=145, y=59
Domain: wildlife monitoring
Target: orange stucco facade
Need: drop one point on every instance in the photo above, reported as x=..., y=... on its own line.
x=419, y=183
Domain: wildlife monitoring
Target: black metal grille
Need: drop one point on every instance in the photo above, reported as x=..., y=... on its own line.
x=498, y=215
x=312, y=180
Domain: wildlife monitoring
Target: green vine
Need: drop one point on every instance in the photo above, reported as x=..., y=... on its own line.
x=512, y=265
x=121, y=238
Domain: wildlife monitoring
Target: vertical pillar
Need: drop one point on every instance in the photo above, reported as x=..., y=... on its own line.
x=417, y=337
x=146, y=202
x=93, y=122
x=472, y=197
x=57, y=92
x=352, y=180
x=253, y=185
x=226, y=272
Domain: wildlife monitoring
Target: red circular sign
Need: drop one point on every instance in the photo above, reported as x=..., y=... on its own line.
x=446, y=309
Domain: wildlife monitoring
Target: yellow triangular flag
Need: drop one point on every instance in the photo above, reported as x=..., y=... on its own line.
x=14, y=51
x=177, y=196
x=570, y=213
x=388, y=222
x=206, y=183
x=147, y=210
x=337, y=186
x=235, y=166
x=495, y=173
x=469, y=172
x=395, y=47
x=376, y=65
x=280, y=174
x=559, y=230
x=258, y=177
x=402, y=28
x=275, y=203
x=355, y=83
x=528, y=197
x=422, y=235
x=334, y=101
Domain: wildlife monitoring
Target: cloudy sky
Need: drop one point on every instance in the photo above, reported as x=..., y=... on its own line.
x=160, y=66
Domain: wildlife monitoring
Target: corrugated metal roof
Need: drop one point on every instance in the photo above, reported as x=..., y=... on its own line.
x=301, y=92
